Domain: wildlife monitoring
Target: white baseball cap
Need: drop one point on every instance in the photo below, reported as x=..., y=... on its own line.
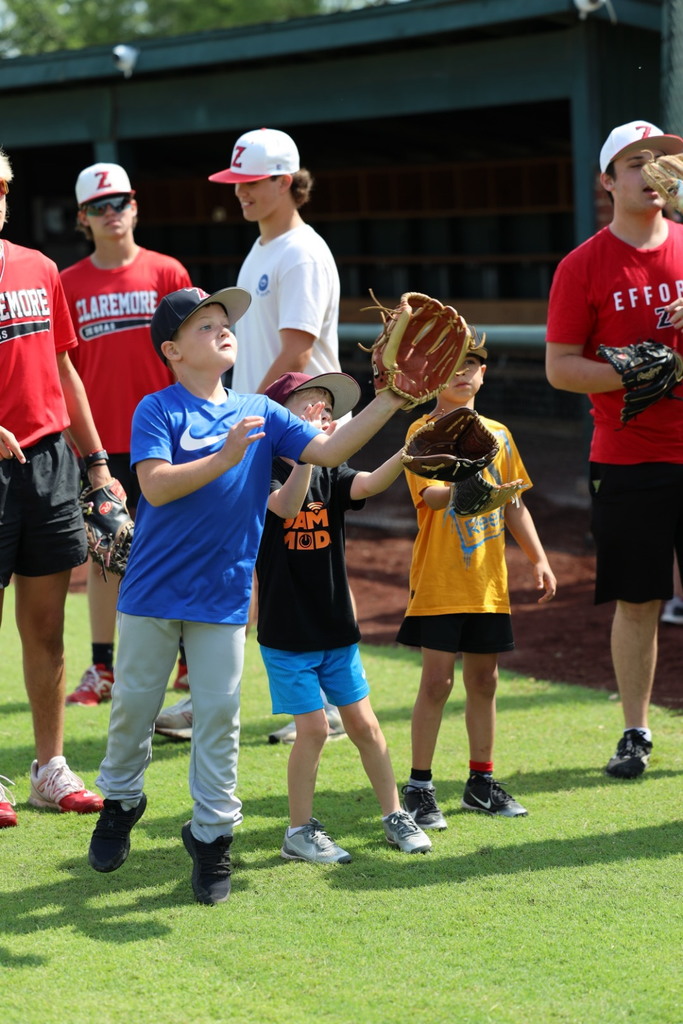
x=260, y=154
x=101, y=180
x=635, y=136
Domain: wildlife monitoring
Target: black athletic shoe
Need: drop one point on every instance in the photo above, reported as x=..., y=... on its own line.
x=110, y=841
x=632, y=756
x=211, y=872
x=483, y=793
x=421, y=805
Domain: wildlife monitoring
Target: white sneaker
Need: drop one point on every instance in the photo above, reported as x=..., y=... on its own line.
x=176, y=721
x=56, y=788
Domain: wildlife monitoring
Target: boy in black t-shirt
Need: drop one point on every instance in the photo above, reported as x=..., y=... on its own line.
x=307, y=627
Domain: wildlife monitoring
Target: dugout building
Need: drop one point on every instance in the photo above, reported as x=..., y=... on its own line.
x=454, y=145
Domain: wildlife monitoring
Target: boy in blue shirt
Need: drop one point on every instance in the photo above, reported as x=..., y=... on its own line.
x=203, y=456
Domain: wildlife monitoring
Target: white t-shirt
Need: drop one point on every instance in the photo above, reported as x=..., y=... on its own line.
x=294, y=283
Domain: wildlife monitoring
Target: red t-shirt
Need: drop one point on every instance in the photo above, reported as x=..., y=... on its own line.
x=34, y=326
x=607, y=292
x=112, y=311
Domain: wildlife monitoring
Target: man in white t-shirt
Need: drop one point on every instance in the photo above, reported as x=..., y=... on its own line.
x=290, y=271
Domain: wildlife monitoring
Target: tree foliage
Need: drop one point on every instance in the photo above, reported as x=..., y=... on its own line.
x=41, y=26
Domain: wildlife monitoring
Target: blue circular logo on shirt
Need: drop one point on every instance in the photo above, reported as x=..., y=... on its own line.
x=263, y=284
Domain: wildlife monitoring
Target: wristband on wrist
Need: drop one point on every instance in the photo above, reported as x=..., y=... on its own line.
x=99, y=458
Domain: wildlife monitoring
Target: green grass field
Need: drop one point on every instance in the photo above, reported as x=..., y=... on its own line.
x=570, y=916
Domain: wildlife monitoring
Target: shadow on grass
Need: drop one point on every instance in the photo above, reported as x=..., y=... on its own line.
x=125, y=907
x=648, y=843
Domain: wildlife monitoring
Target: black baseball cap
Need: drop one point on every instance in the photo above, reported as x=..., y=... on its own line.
x=175, y=308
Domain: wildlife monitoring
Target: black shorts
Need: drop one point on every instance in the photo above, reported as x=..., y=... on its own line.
x=637, y=523
x=469, y=632
x=41, y=524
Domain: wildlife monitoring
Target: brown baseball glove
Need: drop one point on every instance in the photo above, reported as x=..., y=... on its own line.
x=665, y=175
x=421, y=346
x=108, y=526
x=450, y=447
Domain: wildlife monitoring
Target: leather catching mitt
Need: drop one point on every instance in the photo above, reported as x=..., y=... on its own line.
x=451, y=447
x=421, y=346
x=108, y=526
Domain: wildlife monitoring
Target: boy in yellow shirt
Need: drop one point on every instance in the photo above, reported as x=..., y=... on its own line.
x=459, y=603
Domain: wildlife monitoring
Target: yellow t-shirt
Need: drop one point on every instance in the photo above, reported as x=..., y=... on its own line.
x=458, y=565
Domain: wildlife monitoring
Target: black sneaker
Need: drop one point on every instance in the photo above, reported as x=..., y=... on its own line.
x=110, y=841
x=211, y=872
x=632, y=756
x=421, y=805
x=483, y=793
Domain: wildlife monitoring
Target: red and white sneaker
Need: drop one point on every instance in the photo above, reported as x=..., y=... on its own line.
x=8, y=816
x=94, y=687
x=182, y=680
x=57, y=788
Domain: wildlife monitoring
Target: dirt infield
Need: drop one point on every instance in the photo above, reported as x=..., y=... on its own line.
x=564, y=641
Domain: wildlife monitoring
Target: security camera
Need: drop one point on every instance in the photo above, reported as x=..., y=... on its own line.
x=125, y=58
x=586, y=7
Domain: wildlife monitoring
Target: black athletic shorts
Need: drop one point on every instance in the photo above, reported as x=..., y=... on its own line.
x=637, y=523
x=41, y=524
x=469, y=632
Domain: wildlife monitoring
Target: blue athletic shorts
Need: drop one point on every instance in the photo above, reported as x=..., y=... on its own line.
x=41, y=524
x=296, y=678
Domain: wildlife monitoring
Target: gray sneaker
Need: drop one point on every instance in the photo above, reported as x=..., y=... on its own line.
x=312, y=843
x=334, y=721
x=401, y=831
x=176, y=721
x=287, y=733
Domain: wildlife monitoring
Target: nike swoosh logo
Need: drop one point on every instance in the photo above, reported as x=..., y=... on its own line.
x=484, y=803
x=194, y=444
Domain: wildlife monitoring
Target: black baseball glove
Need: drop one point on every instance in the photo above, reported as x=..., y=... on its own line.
x=649, y=371
x=108, y=526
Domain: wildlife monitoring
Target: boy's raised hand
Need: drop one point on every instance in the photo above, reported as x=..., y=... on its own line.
x=239, y=438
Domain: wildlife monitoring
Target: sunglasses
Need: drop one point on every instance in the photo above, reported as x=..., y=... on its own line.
x=98, y=207
x=4, y=187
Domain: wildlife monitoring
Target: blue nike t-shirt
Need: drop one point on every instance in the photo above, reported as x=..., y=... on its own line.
x=193, y=558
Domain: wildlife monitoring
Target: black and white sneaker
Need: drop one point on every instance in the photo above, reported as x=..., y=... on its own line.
x=632, y=756
x=672, y=612
x=483, y=793
x=421, y=805
x=211, y=867
x=110, y=842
